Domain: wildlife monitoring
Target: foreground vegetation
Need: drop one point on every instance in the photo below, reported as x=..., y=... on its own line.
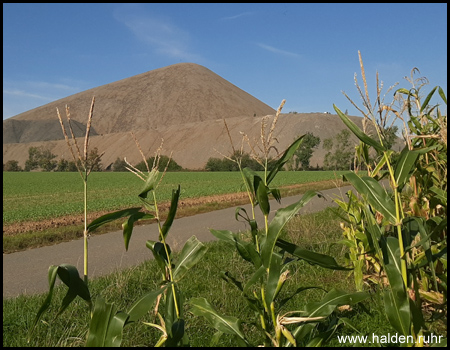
x=318, y=231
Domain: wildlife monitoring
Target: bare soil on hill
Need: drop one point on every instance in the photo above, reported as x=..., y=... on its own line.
x=184, y=104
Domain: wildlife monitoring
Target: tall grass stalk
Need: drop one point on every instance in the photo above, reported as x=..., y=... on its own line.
x=84, y=169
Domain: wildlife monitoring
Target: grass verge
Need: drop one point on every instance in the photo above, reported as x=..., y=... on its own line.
x=318, y=231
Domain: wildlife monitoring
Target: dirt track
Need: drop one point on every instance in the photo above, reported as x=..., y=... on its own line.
x=26, y=272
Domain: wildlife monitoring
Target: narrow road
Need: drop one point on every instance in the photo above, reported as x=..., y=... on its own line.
x=27, y=272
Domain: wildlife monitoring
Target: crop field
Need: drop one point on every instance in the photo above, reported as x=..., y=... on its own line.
x=41, y=195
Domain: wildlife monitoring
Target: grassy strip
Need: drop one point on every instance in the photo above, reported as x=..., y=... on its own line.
x=29, y=240
x=127, y=285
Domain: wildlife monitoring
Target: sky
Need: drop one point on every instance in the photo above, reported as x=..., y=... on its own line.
x=306, y=54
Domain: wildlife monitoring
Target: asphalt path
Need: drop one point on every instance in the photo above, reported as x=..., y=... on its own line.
x=26, y=272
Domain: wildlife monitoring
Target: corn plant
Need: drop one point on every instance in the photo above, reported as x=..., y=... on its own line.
x=68, y=274
x=270, y=256
x=170, y=321
x=398, y=235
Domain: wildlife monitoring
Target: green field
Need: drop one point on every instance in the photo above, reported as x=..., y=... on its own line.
x=42, y=195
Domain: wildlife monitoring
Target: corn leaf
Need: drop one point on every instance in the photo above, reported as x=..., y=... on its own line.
x=404, y=165
x=396, y=299
x=70, y=277
x=442, y=94
x=358, y=132
x=277, y=224
x=225, y=324
x=172, y=212
x=128, y=225
x=190, y=255
x=111, y=217
x=374, y=194
x=144, y=304
x=427, y=99
x=284, y=159
x=52, y=273
x=106, y=327
x=159, y=253
x=322, y=260
x=262, y=195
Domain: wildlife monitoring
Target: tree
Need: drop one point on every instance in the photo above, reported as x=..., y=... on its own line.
x=32, y=162
x=389, y=136
x=46, y=160
x=12, y=165
x=119, y=165
x=93, y=160
x=303, y=154
x=40, y=157
x=63, y=165
x=342, y=156
x=162, y=164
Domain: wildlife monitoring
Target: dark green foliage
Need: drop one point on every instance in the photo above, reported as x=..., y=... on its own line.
x=93, y=160
x=173, y=166
x=341, y=157
x=304, y=153
x=40, y=157
x=63, y=165
x=119, y=165
x=230, y=164
x=12, y=165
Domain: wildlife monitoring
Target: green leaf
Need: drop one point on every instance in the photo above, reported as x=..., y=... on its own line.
x=159, y=253
x=247, y=251
x=442, y=94
x=224, y=235
x=256, y=277
x=176, y=334
x=190, y=255
x=262, y=196
x=150, y=183
x=128, y=225
x=52, y=273
x=172, y=212
x=144, y=304
x=374, y=194
x=273, y=277
x=277, y=224
x=358, y=132
x=396, y=298
x=248, y=175
x=404, y=165
x=322, y=260
x=70, y=277
x=284, y=158
x=325, y=307
x=333, y=299
x=427, y=99
x=276, y=194
x=106, y=326
x=111, y=217
x=225, y=324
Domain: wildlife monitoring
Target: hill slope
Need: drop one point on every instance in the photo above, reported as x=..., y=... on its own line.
x=184, y=104
x=173, y=95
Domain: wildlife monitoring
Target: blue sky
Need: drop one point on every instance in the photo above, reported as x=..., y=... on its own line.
x=304, y=53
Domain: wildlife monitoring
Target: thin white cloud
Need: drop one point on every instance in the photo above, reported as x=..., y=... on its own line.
x=26, y=94
x=278, y=51
x=21, y=96
x=161, y=34
x=236, y=16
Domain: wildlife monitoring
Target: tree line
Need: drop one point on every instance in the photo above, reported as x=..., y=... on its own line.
x=339, y=155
